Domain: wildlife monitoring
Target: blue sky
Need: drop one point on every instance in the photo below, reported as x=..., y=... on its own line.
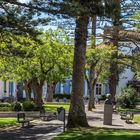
x=23, y=1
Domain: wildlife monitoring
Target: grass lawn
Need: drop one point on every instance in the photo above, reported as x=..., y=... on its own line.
x=4, y=122
x=53, y=107
x=135, y=110
x=99, y=134
x=137, y=119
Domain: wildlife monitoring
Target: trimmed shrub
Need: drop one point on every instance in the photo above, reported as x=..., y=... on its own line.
x=5, y=104
x=128, y=98
x=29, y=106
x=103, y=97
x=5, y=109
x=61, y=96
x=17, y=106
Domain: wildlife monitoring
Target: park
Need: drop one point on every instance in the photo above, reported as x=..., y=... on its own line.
x=69, y=70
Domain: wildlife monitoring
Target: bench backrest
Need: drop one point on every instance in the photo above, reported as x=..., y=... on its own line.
x=42, y=112
x=20, y=116
x=131, y=115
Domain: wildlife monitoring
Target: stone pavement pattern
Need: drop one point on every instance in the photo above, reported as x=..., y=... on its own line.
x=47, y=130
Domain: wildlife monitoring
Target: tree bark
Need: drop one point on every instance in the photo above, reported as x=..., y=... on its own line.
x=28, y=89
x=50, y=91
x=130, y=35
x=19, y=91
x=92, y=79
x=91, y=87
x=37, y=88
x=126, y=35
x=77, y=115
x=113, y=78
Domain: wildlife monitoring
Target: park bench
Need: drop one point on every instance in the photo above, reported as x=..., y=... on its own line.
x=128, y=116
x=123, y=115
x=59, y=115
x=22, y=119
x=47, y=116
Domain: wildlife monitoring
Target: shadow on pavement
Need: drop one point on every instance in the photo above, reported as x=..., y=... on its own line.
x=38, y=132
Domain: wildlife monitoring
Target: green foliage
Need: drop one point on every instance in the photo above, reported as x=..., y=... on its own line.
x=5, y=105
x=135, y=110
x=29, y=106
x=136, y=17
x=5, y=109
x=20, y=19
x=49, y=59
x=17, y=106
x=61, y=96
x=99, y=57
x=103, y=97
x=128, y=98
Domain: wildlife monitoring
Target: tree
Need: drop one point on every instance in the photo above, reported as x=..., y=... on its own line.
x=40, y=61
x=18, y=19
x=77, y=116
x=63, y=62
x=92, y=75
x=113, y=78
x=80, y=10
x=99, y=58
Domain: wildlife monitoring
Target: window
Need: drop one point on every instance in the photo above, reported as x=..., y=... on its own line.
x=98, y=89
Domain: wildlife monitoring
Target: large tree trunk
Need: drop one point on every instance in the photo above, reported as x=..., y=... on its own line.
x=113, y=79
x=28, y=89
x=91, y=87
x=19, y=91
x=91, y=97
x=77, y=115
x=92, y=79
x=50, y=91
x=91, y=103
x=37, y=88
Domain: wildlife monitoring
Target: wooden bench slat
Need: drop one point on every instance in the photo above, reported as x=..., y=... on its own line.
x=128, y=116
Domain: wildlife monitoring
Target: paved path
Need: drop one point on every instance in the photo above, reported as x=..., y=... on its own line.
x=38, y=131
x=47, y=130
x=95, y=119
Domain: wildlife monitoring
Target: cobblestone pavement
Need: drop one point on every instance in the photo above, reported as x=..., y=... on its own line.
x=41, y=130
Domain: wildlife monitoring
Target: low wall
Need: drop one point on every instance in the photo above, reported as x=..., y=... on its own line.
x=34, y=114
x=58, y=103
